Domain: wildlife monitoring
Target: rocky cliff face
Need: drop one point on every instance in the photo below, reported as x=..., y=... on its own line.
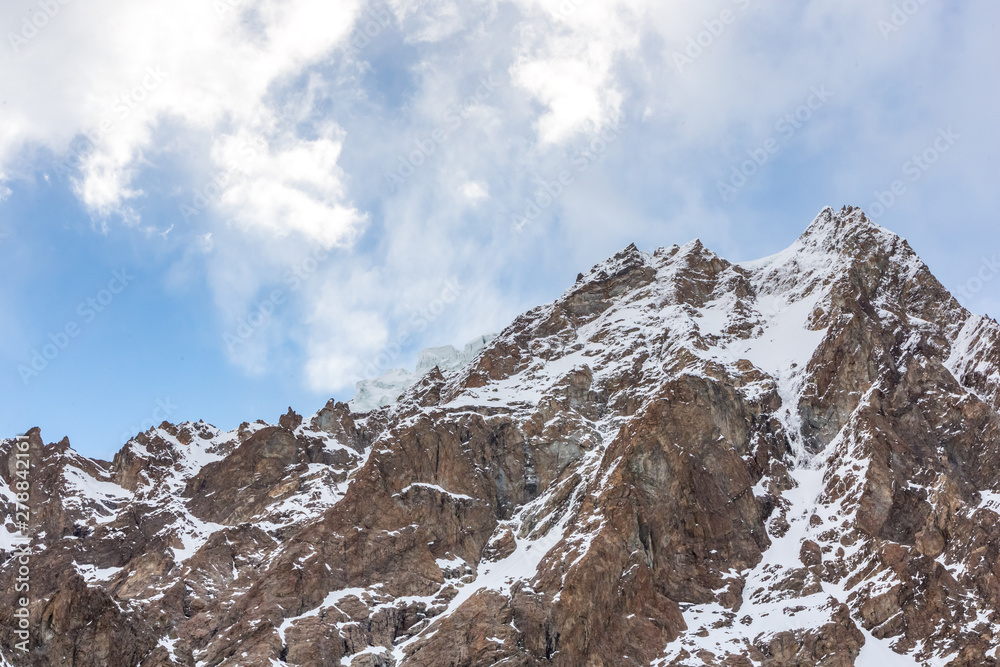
x=681, y=461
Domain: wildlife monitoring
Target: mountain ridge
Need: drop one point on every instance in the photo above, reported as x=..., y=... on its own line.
x=682, y=460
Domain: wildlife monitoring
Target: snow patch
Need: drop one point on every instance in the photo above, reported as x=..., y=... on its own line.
x=390, y=385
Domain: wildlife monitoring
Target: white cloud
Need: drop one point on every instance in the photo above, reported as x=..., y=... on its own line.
x=567, y=58
x=290, y=189
x=141, y=77
x=428, y=20
x=205, y=242
x=476, y=191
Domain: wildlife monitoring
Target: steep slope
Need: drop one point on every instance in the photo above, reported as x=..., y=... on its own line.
x=681, y=461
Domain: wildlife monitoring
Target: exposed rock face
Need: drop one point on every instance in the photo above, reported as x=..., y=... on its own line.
x=682, y=461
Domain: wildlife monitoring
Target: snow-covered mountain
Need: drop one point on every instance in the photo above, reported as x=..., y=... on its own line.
x=680, y=461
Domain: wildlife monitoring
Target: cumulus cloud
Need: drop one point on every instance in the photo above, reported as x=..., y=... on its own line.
x=567, y=58
x=132, y=81
x=296, y=188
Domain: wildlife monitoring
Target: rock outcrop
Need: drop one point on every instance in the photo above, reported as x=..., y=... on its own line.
x=681, y=461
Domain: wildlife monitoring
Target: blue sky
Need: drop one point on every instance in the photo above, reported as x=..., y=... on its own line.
x=259, y=198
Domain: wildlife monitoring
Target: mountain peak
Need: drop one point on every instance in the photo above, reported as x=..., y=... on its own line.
x=848, y=228
x=679, y=460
